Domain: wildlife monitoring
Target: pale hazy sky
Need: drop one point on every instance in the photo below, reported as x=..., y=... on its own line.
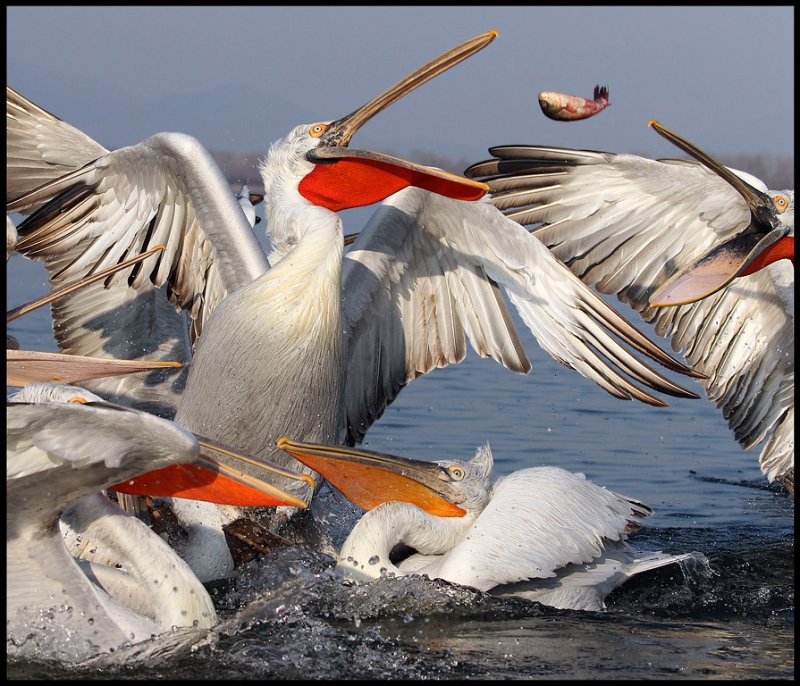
x=240, y=77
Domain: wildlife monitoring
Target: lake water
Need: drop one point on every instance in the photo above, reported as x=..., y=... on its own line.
x=286, y=617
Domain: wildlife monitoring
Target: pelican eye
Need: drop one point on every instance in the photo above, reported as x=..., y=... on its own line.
x=456, y=472
x=781, y=203
x=316, y=130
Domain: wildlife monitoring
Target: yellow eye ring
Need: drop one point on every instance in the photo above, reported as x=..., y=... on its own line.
x=781, y=203
x=316, y=130
x=456, y=472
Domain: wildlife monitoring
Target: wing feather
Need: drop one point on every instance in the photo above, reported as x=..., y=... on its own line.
x=559, y=517
x=91, y=208
x=625, y=224
x=428, y=272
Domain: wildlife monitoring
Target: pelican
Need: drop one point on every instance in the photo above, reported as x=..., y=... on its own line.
x=60, y=455
x=707, y=240
x=11, y=244
x=308, y=340
x=541, y=533
x=11, y=237
x=248, y=202
x=84, y=577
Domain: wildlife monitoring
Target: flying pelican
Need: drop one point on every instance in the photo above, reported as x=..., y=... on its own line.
x=115, y=582
x=677, y=232
x=308, y=342
x=541, y=533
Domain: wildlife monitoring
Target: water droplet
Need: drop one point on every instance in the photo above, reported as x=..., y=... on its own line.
x=375, y=559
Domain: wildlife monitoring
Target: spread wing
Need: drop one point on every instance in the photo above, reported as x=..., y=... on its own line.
x=428, y=272
x=95, y=208
x=40, y=147
x=89, y=446
x=625, y=224
x=538, y=520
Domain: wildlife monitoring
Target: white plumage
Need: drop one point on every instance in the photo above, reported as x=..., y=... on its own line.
x=542, y=533
x=625, y=224
x=314, y=345
x=133, y=586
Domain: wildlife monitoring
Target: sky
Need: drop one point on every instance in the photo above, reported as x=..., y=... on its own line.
x=238, y=78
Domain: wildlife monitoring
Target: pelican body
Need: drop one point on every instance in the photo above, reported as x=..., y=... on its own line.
x=541, y=533
x=59, y=454
x=704, y=252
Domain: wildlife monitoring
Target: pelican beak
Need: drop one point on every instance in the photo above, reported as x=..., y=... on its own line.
x=345, y=178
x=369, y=479
x=743, y=254
x=763, y=241
x=24, y=367
x=11, y=315
x=216, y=481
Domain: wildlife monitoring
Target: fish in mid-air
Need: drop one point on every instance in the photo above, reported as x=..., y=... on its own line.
x=562, y=107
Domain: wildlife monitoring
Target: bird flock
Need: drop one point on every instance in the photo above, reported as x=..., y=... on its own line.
x=201, y=377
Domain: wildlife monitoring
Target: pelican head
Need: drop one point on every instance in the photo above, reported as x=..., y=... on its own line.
x=315, y=161
x=768, y=237
x=445, y=488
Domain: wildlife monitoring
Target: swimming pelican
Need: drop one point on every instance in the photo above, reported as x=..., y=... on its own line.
x=115, y=582
x=541, y=533
x=309, y=342
x=659, y=232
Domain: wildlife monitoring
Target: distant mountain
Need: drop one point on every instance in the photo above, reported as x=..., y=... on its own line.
x=114, y=116
x=252, y=119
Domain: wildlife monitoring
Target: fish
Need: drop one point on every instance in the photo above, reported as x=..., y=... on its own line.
x=562, y=107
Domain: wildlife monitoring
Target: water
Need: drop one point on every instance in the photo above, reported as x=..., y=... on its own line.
x=286, y=617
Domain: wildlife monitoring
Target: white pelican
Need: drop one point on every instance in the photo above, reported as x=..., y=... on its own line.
x=11, y=244
x=247, y=202
x=11, y=237
x=314, y=344
x=115, y=582
x=541, y=533
x=60, y=455
x=659, y=232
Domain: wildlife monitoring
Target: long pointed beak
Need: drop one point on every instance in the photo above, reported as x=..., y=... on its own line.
x=24, y=367
x=11, y=315
x=742, y=254
x=369, y=479
x=345, y=178
x=341, y=131
x=213, y=480
x=756, y=200
x=721, y=264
